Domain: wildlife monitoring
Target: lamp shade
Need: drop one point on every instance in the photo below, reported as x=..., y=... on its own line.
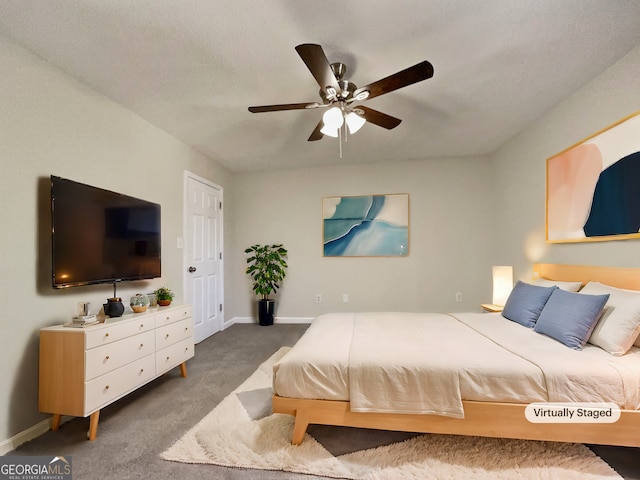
x=333, y=118
x=331, y=132
x=502, y=284
x=354, y=122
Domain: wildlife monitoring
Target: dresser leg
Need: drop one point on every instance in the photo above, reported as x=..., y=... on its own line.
x=93, y=425
x=183, y=369
x=55, y=422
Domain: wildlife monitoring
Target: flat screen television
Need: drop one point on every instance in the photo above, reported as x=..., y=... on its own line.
x=100, y=236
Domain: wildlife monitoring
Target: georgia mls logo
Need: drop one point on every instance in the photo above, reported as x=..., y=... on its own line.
x=35, y=468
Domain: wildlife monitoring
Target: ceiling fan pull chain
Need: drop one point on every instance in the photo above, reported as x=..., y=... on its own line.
x=340, y=140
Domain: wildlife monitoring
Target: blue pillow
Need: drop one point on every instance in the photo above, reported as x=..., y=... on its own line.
x=570, y=317
x=525, y=303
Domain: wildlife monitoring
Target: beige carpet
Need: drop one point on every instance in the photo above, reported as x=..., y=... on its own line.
x=242, y=432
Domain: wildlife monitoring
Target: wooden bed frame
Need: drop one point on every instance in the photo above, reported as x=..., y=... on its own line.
x=485, y=419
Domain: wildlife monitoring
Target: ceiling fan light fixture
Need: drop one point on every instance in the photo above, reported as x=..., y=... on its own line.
x=354, y=122
x=333, y=118
x=362, y=95
x=329, y=132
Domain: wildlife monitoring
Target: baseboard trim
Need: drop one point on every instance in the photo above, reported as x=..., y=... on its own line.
x=304, y=320
x=30, y=433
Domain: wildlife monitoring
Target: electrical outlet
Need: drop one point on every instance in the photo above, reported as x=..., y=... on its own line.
x=318, y=298
x=345, y=298
x=459, y=297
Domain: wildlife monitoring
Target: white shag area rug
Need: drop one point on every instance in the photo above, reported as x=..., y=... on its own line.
x=242, y=432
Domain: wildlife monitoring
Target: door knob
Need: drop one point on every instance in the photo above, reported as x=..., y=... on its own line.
x=192, y=269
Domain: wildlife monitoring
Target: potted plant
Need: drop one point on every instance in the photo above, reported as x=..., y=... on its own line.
x=164, y=296
x=267, y=267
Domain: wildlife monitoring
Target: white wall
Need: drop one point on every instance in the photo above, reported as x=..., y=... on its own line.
x=466, y=213
x=451, y=237
x=521, y=172
x=51, y=124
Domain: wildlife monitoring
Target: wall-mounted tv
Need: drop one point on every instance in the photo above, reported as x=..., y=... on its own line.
x=100, y=236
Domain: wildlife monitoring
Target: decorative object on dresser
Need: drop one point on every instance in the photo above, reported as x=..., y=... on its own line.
x=153, y=300
x=83, y=370
x=114, y=307
x=139, y=303
x=164, y=296
x=267, y=267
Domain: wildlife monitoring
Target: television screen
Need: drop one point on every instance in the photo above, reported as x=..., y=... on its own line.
x=101, y=236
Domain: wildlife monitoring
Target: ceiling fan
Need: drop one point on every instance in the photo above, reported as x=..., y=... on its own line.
x=339, y=95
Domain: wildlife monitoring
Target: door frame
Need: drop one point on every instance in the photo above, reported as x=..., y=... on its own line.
x=185, y=231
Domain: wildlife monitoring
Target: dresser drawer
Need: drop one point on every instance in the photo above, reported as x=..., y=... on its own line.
x=174, y=355
x=103, y=390
x=174, y=332
x=173, y=315
x=101, y=360
x=109, y=333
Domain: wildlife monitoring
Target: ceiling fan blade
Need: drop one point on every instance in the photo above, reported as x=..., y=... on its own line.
x=316, y=61
x=403, y=78
x=378, y=118
x=286, y=106
x=317, y=134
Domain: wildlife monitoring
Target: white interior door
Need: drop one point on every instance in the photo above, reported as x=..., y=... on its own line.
x=203, y=254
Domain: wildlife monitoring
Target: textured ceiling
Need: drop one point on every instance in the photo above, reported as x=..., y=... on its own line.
x=192, y=67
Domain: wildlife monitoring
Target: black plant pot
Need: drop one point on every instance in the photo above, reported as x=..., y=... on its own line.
x=265, y=312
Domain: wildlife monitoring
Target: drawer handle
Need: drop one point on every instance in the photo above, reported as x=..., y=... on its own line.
x=107, y=357
x=142, y=325
x=106, y=334
x=186, y=329
x=167, y=318
x=186, y=349
x=106, y=387
x=142, y=370
x=141, y=345
x=168, y=358
x=166, y=336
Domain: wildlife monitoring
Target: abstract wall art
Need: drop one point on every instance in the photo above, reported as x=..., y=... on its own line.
x=366, y=226
x=593, y=187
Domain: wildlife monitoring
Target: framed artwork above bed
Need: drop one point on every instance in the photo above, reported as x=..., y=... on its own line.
x=592, y=187
x=366, y=226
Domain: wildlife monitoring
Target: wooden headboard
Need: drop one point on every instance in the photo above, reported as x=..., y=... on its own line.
x=621, y=277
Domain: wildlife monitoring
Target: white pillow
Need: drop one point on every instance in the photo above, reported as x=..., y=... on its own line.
x=619, y=324
x=568, y=286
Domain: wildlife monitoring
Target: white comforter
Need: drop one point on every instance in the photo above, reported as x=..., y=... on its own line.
x=429, y=363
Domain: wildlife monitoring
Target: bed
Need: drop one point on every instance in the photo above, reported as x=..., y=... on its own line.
x=480, y=384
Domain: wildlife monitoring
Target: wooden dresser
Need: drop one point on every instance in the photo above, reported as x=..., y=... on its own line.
x=85, y=369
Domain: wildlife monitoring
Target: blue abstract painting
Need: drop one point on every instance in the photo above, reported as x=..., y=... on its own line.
x=366, y=226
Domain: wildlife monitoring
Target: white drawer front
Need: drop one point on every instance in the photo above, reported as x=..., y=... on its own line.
x=174, y=355
x=173, y=333
x=109, y=333
x=103, y=390
x=106, y=358
x=173, y=315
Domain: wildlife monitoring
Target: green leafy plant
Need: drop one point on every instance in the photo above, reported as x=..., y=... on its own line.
x=267, y=267
x=163, y=293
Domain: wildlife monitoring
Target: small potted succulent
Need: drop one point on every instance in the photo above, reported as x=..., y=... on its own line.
x=139, y=303
x=164, y=296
